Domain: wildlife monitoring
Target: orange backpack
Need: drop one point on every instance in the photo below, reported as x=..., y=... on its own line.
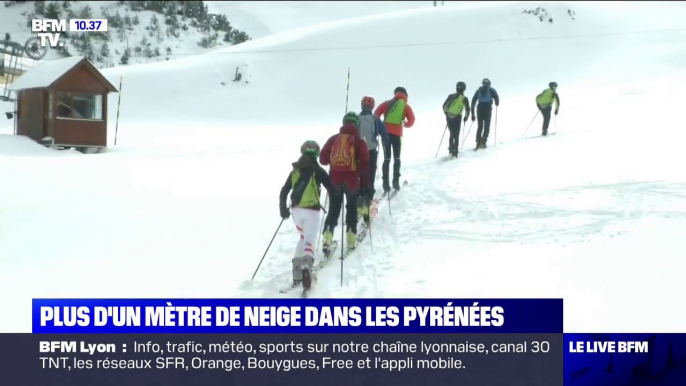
x=343, y=154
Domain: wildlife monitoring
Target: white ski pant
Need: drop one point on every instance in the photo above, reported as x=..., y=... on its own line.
x=307, y=223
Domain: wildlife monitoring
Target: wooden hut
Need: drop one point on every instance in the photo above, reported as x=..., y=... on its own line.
x=63, y=103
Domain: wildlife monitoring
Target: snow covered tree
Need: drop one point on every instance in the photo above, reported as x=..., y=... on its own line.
x=125, y=57
x=115, y=21
x=209, y=41
x=84, y=45
x=136, y=20
x=136, y=5
x=128, y=22
x=171, y=20
x=66, y=5
x=52, y=11
x=63, y=52
x=30, y=17
x=121, y=34
x=105, y=50
x=240, y=37
x=220, y=23
x=39, y=8
x=153, y=26
x=86, y=13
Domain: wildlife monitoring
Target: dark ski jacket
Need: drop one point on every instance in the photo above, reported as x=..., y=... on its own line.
x=485, y=96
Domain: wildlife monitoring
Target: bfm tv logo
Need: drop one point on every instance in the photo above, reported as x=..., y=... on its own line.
x=49, y=29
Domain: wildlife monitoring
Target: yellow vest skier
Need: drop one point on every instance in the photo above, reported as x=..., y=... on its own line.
x=545, y=101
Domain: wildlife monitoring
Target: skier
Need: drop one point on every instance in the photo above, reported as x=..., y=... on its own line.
x=305, y=180
x=545, y=101
x=453, y=107
x=485, y=95
x=370, y=129
x=397, y=115
x=348, y=155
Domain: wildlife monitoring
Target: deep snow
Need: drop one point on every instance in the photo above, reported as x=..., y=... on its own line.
x=187, y=202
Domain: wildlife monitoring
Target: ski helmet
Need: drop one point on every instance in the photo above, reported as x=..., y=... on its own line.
x=310, y=147
x=461, y=86
x=486, y=82
x=552, y=84
x=400, y=89
x=351, y=117
x=368, y=101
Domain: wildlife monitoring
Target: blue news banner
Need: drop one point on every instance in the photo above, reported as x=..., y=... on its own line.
x=327, y=341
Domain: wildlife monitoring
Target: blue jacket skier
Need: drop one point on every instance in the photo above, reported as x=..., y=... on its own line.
x=485, y=95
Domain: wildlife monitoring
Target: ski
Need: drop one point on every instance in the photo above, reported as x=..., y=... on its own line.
x=395, y=191
x=290, y=288
x=325, y=259
x=541, y=136
x=373, y=211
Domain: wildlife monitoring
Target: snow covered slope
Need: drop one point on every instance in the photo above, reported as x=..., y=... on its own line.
x=187, y=202
x=268, y=17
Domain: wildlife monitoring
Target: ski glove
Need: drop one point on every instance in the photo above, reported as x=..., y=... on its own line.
x=539, y=107
x=555, y=112
x=465, y=119
x=285, y=213
x=473, y=118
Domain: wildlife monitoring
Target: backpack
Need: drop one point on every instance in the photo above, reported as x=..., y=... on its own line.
x=456, y=106
x=485, y=97
x=368, y=130
x=305, y=189
x=343, y=154
x=395, y=112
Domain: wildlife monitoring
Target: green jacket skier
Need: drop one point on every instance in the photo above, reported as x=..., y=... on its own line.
x=545, y=101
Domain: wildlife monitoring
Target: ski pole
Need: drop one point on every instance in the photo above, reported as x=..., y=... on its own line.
x=371, y=240
x=265, y=252
x=555, y=124
x=342, y=229
x=466, y=135
x=439, y=145
x=347, y=92
x=321, y=225
x=495, y=132
x=532, y=121
x=389, y=204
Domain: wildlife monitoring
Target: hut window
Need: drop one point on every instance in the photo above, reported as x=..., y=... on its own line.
x=79, y=106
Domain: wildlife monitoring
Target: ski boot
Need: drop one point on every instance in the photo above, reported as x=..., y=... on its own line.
x=363, y=211
x=396, y=184
x=386, y=187
x=326, y=244
x=307, y=279
x=351, y=239
x=296, y=284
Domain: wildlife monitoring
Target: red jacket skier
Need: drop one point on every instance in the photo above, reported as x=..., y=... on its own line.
x=397, y=115
x=348, y=157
